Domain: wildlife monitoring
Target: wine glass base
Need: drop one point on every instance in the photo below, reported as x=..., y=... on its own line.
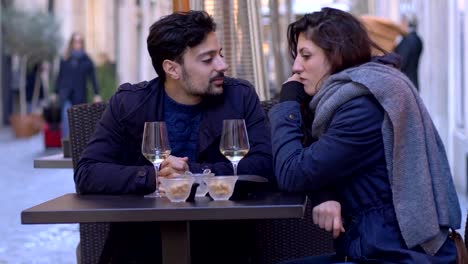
x=153, y=195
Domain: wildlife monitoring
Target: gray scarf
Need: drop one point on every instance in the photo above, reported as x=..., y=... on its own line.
x=424, y=196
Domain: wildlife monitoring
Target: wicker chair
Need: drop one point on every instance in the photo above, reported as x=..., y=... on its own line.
x=82, y=122
x=283, y=239
x=466, y=231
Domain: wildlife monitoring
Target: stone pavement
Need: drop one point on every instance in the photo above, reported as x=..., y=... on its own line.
x=22, y=186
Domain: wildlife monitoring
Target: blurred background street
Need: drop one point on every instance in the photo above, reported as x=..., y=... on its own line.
x=23, y=187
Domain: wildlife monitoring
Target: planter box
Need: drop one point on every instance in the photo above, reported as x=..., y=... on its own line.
x=26, y=125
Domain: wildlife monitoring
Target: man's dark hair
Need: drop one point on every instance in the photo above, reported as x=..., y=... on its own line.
x=342, y=37
x=170, y=36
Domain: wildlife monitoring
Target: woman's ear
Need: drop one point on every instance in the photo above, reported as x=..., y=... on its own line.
x=172, y=69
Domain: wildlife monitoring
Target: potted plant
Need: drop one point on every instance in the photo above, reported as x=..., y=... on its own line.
x=33, y=37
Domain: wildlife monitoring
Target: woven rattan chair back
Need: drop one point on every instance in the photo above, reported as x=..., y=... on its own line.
x=466, y=231
x=82, y=123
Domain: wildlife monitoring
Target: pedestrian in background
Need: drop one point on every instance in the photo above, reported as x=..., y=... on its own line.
x=410, y=49
x=383, y=32
x=76, y=68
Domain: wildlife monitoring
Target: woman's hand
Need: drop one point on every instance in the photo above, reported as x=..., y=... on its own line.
x=293, y=90
x=327, y=215
x=173, y=166
x=294, y=77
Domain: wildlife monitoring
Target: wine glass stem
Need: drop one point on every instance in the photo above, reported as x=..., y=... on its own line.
x=234, y=166
x=156, y=169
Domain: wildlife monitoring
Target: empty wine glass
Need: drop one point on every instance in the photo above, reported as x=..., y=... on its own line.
x=155, y=147
x=234, y=143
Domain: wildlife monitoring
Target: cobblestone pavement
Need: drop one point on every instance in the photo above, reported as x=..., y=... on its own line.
x=22, y=186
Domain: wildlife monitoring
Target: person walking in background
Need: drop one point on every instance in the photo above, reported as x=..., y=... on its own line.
x=34, y=86
x=76, y=68
x=410, y=49
x=383, y=32
x=396, y=195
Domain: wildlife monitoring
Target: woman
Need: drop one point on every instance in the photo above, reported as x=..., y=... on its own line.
x=373, y=146
x=76, y=68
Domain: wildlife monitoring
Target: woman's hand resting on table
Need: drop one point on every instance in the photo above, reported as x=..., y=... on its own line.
x=327, y=215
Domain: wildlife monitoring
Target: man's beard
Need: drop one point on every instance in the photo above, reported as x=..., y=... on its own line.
x=209, y=90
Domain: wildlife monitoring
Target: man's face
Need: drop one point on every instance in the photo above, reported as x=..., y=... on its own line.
x=203, y=68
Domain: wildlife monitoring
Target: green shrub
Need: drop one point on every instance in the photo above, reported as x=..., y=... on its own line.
x=106, y=77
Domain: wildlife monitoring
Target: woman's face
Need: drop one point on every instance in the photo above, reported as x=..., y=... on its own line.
x=310, y=65
x=77, y=43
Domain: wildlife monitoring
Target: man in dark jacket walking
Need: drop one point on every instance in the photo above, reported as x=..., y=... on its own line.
x=193, y=97
x=410, y=49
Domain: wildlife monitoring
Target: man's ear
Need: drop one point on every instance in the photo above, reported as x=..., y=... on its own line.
x=172, y=69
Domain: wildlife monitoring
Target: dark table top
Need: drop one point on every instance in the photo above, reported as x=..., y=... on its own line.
x=53, y=161
x=75, y=208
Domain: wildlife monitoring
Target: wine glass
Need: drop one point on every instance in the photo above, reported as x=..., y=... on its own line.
x=234, y=143
x=155, y=147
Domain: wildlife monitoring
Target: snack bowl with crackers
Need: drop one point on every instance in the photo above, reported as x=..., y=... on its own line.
x=177, y=189
x=221, y=187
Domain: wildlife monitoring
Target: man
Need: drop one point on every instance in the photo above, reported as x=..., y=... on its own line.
x=193, y=97
x=410, y=49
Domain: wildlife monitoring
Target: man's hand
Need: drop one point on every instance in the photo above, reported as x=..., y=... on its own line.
x=327, y=215
x=172, y=166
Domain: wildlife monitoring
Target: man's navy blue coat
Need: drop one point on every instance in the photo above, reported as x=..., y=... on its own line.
x=112, y=162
